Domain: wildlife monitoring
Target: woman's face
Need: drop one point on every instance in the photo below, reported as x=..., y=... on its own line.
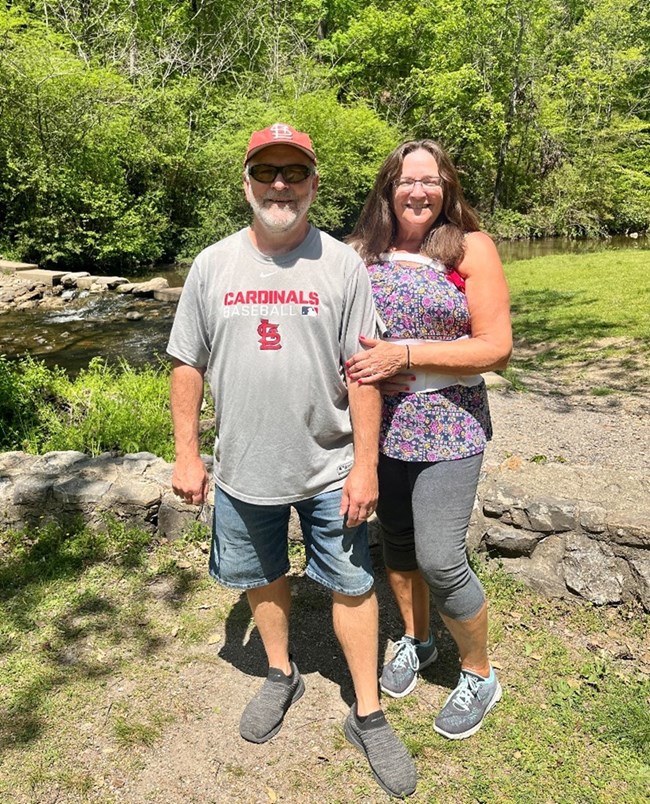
x=417, y=198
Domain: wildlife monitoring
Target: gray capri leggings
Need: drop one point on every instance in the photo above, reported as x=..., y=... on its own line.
x=424, y=510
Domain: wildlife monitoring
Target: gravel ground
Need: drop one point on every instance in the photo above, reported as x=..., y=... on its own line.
x=571, y=427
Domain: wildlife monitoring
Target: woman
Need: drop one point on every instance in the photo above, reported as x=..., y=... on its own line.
x=442, y=299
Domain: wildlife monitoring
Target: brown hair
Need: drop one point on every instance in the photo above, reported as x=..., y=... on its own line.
x=377, y=226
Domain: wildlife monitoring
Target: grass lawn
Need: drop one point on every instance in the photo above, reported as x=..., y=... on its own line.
x=110, y=645
x=581, y=307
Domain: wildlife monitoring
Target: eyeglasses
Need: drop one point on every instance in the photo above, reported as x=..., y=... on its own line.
x=292, y=174
x=428, y=183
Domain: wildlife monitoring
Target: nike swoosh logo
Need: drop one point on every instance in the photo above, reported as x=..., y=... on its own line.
x=268, y=273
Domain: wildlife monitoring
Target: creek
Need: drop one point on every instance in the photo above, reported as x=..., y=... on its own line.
x=93, y=325
x=96, y=325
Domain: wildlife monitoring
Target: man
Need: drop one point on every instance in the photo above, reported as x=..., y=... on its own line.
x=269, y=315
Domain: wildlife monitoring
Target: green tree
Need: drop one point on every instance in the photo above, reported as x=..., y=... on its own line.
x=94, y=170
x=456, y=71
x=63, y=125
x=122, y=124
x=596, y=113
x=350, y=143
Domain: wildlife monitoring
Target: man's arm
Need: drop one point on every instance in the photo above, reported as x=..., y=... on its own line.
x=190, y=478
x=360, y=490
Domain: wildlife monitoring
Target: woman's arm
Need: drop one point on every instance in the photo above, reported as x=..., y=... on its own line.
x=489, y=346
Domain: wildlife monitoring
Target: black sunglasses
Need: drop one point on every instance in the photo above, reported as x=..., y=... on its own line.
x=292, y=174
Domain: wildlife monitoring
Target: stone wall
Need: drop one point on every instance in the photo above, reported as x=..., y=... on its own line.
x=565, y=530
x=68, y=486
x=568, y=529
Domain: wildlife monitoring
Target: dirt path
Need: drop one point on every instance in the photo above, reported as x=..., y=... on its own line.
x=595, y=414
x=200, y=757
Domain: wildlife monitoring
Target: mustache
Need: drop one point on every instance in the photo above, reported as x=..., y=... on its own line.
x=282, y=195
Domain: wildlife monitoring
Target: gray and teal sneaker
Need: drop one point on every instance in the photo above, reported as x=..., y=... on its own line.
x=464, y=710
x=400, y=675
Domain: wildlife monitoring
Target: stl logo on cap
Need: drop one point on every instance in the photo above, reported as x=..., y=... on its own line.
x=278, y=134
x=281, y=131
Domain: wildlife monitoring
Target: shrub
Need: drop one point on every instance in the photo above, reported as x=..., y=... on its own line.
x=110, y=409
x=103, y=409
x=25, y=388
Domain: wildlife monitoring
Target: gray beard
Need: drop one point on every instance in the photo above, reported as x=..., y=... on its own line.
x=278, y=221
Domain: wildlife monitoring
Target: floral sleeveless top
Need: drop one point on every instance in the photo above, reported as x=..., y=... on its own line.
x=426, y=302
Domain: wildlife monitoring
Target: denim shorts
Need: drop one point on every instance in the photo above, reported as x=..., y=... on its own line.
x=250, y=546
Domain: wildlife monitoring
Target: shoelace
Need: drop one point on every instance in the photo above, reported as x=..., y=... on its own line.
x=466, y=690
x=404, y=654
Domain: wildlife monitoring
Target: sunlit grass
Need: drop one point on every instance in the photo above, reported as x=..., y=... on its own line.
x=575, y=304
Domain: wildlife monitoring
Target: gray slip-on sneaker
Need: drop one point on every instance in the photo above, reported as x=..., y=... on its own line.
x=390, y=762
x=263, y=716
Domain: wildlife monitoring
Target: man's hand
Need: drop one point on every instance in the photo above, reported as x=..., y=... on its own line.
x=360, y=493
x=190, y=480
x=361, y=488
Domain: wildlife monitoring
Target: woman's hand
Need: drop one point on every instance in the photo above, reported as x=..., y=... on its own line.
x=377, y=361
x=398, y=384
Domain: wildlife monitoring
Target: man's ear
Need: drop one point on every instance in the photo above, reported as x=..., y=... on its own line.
x=247, y=185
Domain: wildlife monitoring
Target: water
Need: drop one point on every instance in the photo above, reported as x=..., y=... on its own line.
x=95, y=325
x=511, y=250
x=90, y=326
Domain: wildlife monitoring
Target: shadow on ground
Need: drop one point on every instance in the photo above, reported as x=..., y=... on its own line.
x=60, y=628
x=536, y=320
x=53, y=616
x=581, y=358
x=314, y=646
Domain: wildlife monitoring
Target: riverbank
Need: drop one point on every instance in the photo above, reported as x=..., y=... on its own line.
x=584, y=400
x=25, y=287
x=553, y=300
x=81, y=316
x=126, y=669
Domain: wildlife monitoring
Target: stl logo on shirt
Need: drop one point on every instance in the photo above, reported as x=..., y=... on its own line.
x=269, y=335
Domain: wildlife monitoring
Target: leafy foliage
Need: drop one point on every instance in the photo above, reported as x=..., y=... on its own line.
x=102, y=409
x=22, y=391
x=122, y=125
x=538, y=102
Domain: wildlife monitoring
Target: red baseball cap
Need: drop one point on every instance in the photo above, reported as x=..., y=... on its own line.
x=280, y=134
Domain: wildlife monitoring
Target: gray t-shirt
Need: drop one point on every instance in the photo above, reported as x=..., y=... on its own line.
x=273, y=334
